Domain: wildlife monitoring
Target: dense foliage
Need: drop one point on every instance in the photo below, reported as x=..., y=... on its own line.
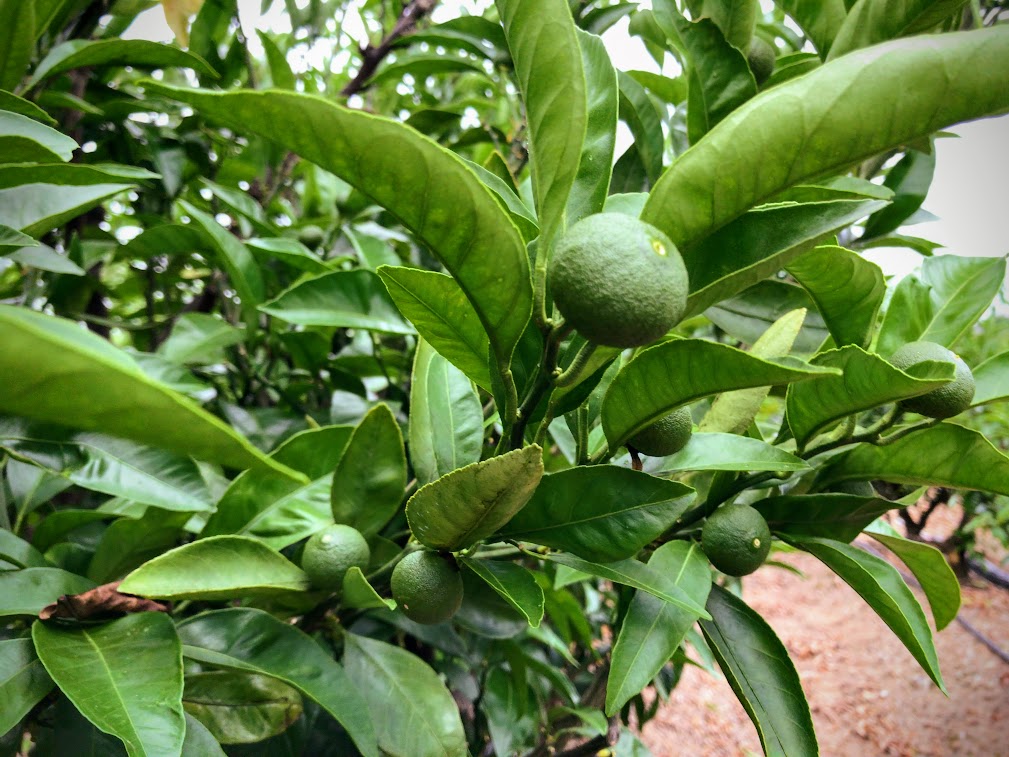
x=255, y=286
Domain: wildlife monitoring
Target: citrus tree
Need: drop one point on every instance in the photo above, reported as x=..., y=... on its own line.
x=359, y=398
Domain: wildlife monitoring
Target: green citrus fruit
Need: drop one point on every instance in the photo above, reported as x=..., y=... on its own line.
x=736, y=539
x=311, y=236
x=617, y=280
x=761, y=58
x=946, y=401
x=331, y=552
x=427, y=587
x=667, y=435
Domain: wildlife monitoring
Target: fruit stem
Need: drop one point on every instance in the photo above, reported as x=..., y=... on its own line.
x=870, y=434
x=581, y=435
x=540, y=314
x=574, y=371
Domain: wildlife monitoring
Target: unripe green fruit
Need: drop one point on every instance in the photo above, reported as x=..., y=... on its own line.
x=736, y=539
x=331, y=552
x=427, y=587
x=761, y=58
x=667, y=435
x=311, y=236
x=618, y=281
x=946, y=401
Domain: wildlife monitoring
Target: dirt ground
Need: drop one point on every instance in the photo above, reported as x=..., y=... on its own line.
x=867, y=694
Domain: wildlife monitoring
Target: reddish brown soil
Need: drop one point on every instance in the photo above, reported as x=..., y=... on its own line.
x=867, y=694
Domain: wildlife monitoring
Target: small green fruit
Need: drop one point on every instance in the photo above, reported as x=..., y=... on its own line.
x=761, y=57
x=736, y=539
x=667, y=435
x=331, y=552
x=618, y=281
x=946, y=401
x=427, y=587
x=311, y=236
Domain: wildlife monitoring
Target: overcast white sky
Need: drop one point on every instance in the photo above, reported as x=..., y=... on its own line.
x=969, y=194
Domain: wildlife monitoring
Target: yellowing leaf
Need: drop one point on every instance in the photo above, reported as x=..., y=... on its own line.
x=177, y=14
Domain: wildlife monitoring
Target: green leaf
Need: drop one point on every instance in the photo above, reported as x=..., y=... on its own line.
x=45, y=258
x=733, y=412
x=602, y=513
x=23, y=681
x=460, y=221
x=361, y=595
x=20, y=553
x=421, y=65
x=504, y=192
x=643, y=118
x=944, y=455
x=437, y=306
x=939, y=304
x=14, y=104
x=26, y=592
x=199, y=741
x=80, y=53
x=37, y=208
x=749, y=314
x=548, y=66
x=930, y=568
x=821, y=20
x=848, y=291
x=471, y=503
x=256, y=642
x=240, y=707
x=758, y=669
x=736, y=19
x=881, y=586
x=652, y=630
x=341, y=299
x=669, y=375
x=124, y=676
x=281, y=75
x=370, y=478
x=910, y=180
x=17, y=41
x=872, y=21
x=829, y=515
x=515, y=584
x=118, y=399
x=866, y=381
x=278, y=510
x=635, y=574
x=290, y=251
x=991, y=380
x=72, y=174
x=760, y=243
x=414, y=714
x=13, y=239
x=23, y=140
x=218, y=567
x=128, y=543
x=199, y=339
x=818, y=124
x=446, y=417
x=729, y=452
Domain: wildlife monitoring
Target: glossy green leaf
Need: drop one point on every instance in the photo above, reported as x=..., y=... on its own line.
x=128, y=542
x=438, y=308
x=514, y=584
x=872, y=21
x=881, y=586
x=930, y=568
x=199, y=742
x=542, y=37
x=760, y=243
x=941, y=302
x=421, y=65
x=910, y=180
x=504, y=192
x=736, y=19
x=72, y=174
x=944, y=455
x=413, y=711
x=991, y=380
x=26, y=592
x=278, y=510
x=644, y=119
x=733, y=412
x=460, y=220
x=471, y=503
x=38, y=207
x=17, y=41
x=751, y=312
x=281, y=75
x=359, y=594
x=843, y=112
x=23, y=681
x=240, y=708
x=23, y=140
x=45, y=258
x=370, y=478
x=602, y=513
x=11, y=239
x=592, y=182
x=19, y=552
x=218, y=567
x=124, y=676
x=446, y=417
x=119, y=399
x=14, y=104
x=848, y=291
x=200, y=339
x=635, y=574
x=80, y=53
x=256, y=642
x=341, y=299
x=676, y=373
x=831, y=515
x=867, y=381
x=821, y=20
x=289, y=251
x=730, y=452
x=757, y=667
x=652, y=629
